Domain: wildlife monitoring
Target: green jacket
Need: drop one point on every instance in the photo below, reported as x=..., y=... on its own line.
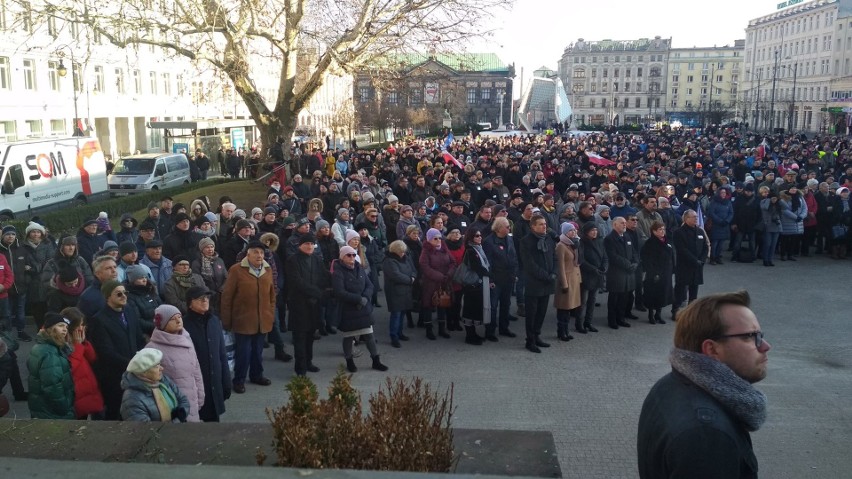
x=51, y=387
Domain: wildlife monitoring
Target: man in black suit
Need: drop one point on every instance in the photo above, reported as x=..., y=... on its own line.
x=621, y=276
x=692, y=249
x=538, y=265
x=116, y=336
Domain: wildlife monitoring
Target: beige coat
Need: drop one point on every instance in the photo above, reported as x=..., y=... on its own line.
x=567, y=276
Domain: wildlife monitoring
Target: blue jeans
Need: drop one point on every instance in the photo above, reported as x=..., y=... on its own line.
x=395, y=324
x=520, y=290
x=716, y=248
x=770, y=241
x=16, y=311
x=248, y=357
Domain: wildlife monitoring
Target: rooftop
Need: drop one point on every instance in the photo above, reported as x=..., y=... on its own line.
x=467, y=62
x=780, y=14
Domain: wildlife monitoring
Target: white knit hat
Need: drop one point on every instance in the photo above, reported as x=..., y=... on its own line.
x=144, y=360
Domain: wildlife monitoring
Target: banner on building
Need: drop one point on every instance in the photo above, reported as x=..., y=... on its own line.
x=430, y=93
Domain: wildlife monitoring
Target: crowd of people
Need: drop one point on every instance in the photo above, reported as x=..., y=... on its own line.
x=134, y=321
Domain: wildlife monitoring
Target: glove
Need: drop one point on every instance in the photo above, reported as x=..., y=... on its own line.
x=634, y=267
x=179, y=413
x=363, y=302
x=552, y=276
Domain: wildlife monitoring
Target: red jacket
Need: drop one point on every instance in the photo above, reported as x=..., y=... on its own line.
x=7, y=278
x=813, y=207
x=87, y=394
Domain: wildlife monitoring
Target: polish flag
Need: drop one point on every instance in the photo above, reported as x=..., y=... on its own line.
x=596, y=159
x=450, y=159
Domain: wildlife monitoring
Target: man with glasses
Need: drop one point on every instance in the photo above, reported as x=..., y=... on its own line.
x=116, y=335
x=696, y=420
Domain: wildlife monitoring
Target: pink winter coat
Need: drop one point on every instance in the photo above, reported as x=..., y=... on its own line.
x=7, y=278
x=181, y=365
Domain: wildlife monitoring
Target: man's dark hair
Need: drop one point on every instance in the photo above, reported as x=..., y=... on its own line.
x=702, y=319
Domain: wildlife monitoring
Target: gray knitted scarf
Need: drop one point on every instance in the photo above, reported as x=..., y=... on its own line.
x=735, y=393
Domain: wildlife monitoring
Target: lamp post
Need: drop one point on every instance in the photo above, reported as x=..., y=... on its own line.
x=62, y=71
x=772, y=99
x=501, y=93
x=791, y=121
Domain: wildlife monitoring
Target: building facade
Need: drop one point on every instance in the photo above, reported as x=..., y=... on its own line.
x=612, y=82
x=795, y=58
x=56, y=75
x=703, y=84
x=424, y=93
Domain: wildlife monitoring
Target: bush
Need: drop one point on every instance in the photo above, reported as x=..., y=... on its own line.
x=407, y=429
x=69, y=220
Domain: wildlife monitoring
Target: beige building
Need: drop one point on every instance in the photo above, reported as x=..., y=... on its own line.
x=794, y=58
x=703, y=84
x=612, y=82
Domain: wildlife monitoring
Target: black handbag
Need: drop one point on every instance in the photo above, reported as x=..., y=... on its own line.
x=465, y=276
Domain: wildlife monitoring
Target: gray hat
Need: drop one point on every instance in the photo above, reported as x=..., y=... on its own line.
x=135, y=272
x=322, y=224
x=204, y=242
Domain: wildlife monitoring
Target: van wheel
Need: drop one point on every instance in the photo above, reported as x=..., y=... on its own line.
x=154, y=188
x=78, y=202
x=185, y=182
x=6, y=216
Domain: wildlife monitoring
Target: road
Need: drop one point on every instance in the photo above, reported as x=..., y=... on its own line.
x=589, y=392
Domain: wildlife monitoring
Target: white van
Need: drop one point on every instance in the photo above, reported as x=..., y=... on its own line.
x=45, y=174
x=148, y=172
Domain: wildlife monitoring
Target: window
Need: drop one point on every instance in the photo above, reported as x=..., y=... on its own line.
x=5, y=80
x=2, y=15
x=578, y=87
x=675, y=78
x=616, y=72
x=591, y=102
x=119, y=81
x=75, y=30
x=485, y=95
x=98, y=87
x=655, y=71
x=393, y=97
x=167, y=84
x=639, y=71
x=615, y=86
x=594, y=72
x=703, y=78
x=8, y=131
x=674, y=91
x=364, y=94
x=605, y=72
x=604, y=87
x=52, y=30
x=689, y=91
x=26, y=17
x=415, y=97
x=471, y=96
x=603, y=102
x=628, y=59
x=689, y=78
x=152, y=82
x=96, y=36
x=35, y=128
x=615, y=102
x=53, y=75
x=580, y=73
x=638, y=103
x=29, y=75
x=690, y=66
x=626, y=86
x=57, y=127
x=137, y=82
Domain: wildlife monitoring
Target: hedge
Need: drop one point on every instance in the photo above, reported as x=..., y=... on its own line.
x=69, y=220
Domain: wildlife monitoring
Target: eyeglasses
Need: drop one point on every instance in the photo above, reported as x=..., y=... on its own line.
x=477, y=235
x=350, y=255
x=119, y=294
x=756, y=335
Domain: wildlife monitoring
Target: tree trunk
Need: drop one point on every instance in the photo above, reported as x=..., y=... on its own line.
x=280, y=125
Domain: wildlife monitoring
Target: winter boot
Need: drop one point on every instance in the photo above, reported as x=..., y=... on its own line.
x=522, y=310
x=377, y=365
x=442, y=330
x=282, y=355
x=429, y=334
x=350, y=365
x=471, y=337
x=658, y=316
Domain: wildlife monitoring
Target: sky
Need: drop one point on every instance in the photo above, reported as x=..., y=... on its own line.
x=535, y=32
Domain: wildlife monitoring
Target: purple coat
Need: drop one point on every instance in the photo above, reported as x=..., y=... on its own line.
x=436, y=269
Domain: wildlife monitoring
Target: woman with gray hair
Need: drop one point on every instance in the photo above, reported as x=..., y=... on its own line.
x=400, y=275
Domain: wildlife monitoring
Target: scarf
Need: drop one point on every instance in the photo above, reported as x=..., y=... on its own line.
x=477, y=249
x=207, y=266
x=736, y=394
x=184, y=280
x=70, y=290
x=207, y=234
x=453, y=245
x=571, y=243
x=164, y=397
x=542, y=242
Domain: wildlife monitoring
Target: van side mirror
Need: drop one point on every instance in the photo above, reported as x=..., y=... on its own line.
x=14, y=180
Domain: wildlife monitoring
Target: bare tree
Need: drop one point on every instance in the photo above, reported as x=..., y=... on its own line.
x=246, y=39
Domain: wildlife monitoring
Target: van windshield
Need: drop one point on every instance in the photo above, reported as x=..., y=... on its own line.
x=133, y=166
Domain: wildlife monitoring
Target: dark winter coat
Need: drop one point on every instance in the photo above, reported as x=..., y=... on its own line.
x=143, y=300
x=51, y=269
x=216, y=281
x=37, y=259
x=175, y=294
x=746, y=213
x=92, y=300
x=206, y=333
x=400, y=274
x=180, y=242
x=51, y=387
x=87, y=394
x=682, y=430
x=721, y=213
x=623, y=262
x=16, y=257
x=538, y=267
x=593, y=264
x=691, y=250
x=436, y=269
x=138, y=403
x=658, y=261
x=472, y=307
x=116, y=345
x=304, y=295
x=88, y=245
x=350, y=285
x=503, y=258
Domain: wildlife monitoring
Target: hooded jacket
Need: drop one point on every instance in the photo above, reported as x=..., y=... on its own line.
x=87, y=394
x=180, y=363
x=51, y=387
x=138, y=403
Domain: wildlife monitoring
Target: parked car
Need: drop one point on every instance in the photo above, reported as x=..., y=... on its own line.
x=148, y=172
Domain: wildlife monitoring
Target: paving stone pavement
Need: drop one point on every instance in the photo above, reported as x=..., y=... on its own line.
x=589, y=392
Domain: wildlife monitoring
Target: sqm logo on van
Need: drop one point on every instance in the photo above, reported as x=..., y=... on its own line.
x=47, y=165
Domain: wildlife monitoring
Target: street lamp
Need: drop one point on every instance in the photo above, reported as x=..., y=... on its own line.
x=62, y=71
x=791, y=121
x=772, y=99
x=501, y=93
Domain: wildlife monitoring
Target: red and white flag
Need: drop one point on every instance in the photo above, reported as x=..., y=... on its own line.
x=596, y=159
x=450, y=159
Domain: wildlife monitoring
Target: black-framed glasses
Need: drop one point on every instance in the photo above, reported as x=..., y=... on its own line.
x=350, y=255
x=477, y=235
x=756, y=335
x=119, y=294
